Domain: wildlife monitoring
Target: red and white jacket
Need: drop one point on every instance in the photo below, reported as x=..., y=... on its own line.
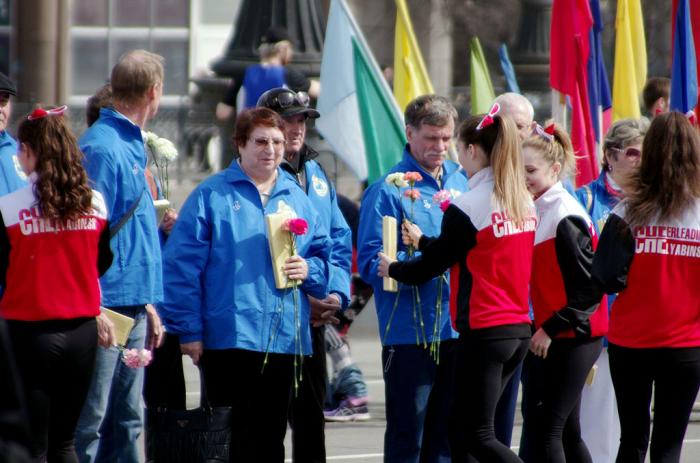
x=493, y=257
x=51, y=270
x=564, y=299
x=656, y=269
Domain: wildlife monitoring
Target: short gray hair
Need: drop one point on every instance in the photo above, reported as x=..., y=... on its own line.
x=431, y=110
x=513, y=102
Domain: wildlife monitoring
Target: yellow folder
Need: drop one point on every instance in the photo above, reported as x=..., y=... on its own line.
x=122, y=325
x=389, y=244
x=280, y=246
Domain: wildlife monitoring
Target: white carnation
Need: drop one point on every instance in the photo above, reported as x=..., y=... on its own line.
x=397, y=179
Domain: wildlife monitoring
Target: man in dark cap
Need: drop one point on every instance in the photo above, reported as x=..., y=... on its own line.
x=11, y=175
x=306, y=411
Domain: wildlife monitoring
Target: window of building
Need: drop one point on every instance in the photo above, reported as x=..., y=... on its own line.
x=102, y=30
x=5, y=36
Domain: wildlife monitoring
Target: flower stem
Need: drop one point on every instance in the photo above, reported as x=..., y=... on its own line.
x=393, y=311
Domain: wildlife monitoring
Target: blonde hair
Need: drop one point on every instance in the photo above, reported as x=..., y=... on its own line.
x=134, y=74
x=501, y=144
x=558, y=149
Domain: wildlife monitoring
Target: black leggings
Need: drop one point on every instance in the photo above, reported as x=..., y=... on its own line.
x=483, y=367
x=560, y=379
x=674, y=374
x=55, y=359
x=259, y=399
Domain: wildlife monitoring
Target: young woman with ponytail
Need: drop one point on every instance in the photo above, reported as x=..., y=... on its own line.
x=54, y=245
x=487, y=234
x=569, y=319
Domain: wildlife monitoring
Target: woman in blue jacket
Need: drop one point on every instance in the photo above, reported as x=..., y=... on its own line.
x=221, y=298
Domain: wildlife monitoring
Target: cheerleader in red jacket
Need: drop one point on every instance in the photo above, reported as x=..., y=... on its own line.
x=54, y=245
x=568, y=318
x=649, y=252
x=489, y=233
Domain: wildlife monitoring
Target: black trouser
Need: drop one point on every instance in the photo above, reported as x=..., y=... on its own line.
x=558, y=381
x=164, y=379
x=483, y=368
x=55, y=359
x=306, y=409
x=674, y=376
x=259, y=399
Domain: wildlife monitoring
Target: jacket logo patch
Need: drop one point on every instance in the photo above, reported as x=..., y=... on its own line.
x=135, y=169
x=236, y=206
x=18, y=168
x=320, y=186
x=426, y=204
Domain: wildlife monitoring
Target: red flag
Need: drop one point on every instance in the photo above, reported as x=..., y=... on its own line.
x=570, y=47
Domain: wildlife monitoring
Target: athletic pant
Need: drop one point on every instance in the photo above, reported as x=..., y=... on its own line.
x=259, y=399
x=673, y=374
x=306, y=409
x=55, y=359
x=562, y=377
x=483, y=368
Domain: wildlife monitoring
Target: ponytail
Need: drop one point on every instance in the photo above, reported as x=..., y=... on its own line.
x=554, y=147
x=501, y=143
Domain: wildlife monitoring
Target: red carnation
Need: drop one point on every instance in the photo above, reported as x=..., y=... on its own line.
x=296, y=226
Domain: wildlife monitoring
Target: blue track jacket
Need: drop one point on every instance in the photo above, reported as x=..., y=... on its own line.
x=382, y=199
x=323, y=197
x=115, y=159
x=12, y=177
x=219, y=283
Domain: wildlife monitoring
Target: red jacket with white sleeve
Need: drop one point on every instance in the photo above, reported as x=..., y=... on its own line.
x=50, y=270
x=493, y=257
x=564, y=299
x=656, y=269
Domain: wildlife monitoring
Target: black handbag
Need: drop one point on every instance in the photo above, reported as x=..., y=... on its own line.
x=202, y=435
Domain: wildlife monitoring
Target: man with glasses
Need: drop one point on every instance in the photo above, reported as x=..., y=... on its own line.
x=11, y=175
x=306, y=412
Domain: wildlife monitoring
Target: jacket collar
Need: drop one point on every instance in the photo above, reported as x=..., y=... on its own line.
x=549, y=197
x=485, y=175
x=234, y=174
x=117, y=118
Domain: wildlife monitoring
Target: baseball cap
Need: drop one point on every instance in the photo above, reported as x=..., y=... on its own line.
x=6, y=85
x=287, y=103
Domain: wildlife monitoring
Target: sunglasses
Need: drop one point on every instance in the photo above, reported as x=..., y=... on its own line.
x=288, y=99
x=277, y=143
x=630, y=152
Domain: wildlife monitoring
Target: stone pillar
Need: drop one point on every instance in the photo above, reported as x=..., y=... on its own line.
x=530, y=55
x=42, y=37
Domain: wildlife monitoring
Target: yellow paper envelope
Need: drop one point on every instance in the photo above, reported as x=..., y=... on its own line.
x=389, y=244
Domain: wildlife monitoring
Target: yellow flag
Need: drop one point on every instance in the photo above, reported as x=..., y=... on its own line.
x=630, y=60
x=480, y=81
x=411, y=78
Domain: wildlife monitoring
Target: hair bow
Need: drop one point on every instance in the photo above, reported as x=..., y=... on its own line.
x=488, y=119
x=692, y=118
x=547, y=133
x=39, y=113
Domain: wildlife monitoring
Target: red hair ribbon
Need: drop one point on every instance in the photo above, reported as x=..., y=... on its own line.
x=658, y=111
x=488, y=119
x=39, y=113
x=692, y=118
x=546, y=133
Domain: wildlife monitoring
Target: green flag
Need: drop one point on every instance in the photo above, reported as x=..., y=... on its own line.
x=482, y=89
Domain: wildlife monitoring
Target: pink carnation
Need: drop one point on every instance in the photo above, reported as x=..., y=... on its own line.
x=444, y=205
x=442, y=196
x=296, y=226
x=135, y=358
x=412, y=177
x=412, y=194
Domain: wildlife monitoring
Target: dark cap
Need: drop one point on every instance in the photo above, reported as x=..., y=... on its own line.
x=275, y=34
x=286, y=103
x=6, y=85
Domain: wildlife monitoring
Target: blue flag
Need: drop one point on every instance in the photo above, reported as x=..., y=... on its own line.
x=598, y=85
x=684, y=79
x=508, y=71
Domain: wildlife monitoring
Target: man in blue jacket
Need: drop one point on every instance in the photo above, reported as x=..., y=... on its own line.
x=306, y=411
x=418, y=389
x=115, y=160
x=11, y=175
